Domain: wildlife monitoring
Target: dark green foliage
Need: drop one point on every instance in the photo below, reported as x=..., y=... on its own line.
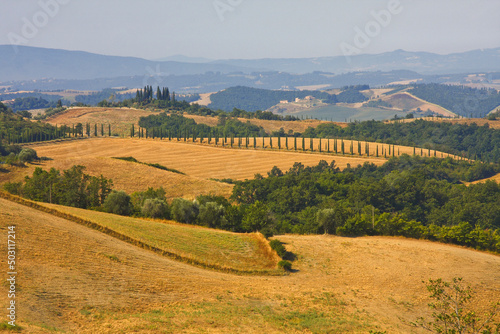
x=138, y=198
x=189, y=128
x=37, y=102
x=27, y=155
x=285, y=265
x=155, y=165
x=462, y=100
x=278, y=247
x=410, y=196
x=211, y=214
x=72, y=187
x=184, y=211
x=352, y=94
x=118, y=202
x=253, y=99
x=471, y=140
x=155, y=208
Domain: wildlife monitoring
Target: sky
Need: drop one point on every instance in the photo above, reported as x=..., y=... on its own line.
x=251, y=29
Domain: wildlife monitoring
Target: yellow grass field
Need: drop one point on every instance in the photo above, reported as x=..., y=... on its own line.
x=222, y=250
x=202, y=164
x=77, y=280
x=120, y=119
x=467, y=121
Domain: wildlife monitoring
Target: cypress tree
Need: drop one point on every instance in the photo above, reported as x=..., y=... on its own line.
x=109, y=130
x=167, y=95
x=295, y=143
x=359, y=147
x=158, y=93
x=271, y=141
x=279, y=143
x=132, y=132
x=254, y=142
x=102, y=130
x=342, y=146
x=95, y=129
x=351, y=147
x=319, y=146
x=311, y=143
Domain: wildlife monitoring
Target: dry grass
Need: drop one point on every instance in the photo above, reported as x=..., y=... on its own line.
x=78, y=280
x=207, y=247
x=467, y=121
x=200, y=163
x=120, y=119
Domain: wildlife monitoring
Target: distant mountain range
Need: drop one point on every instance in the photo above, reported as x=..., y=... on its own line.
x=62, y=69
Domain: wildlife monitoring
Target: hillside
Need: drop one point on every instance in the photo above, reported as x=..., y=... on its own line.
x=29, y=63
x=78, y=280
x=121, y=120
x=199, y=163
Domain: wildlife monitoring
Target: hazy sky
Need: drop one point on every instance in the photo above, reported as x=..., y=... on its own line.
x=221, y=29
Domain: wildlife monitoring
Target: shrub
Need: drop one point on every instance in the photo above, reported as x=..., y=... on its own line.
x=285, y=265
x=118, y=202
x=15, y=188
x=155, y=208
x=27, y=155
x=184, y=211
x=278, y=247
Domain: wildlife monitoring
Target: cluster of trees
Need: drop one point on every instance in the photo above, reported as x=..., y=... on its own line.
x=253, y=99
x=462, y=100
x=410, y=196
x=177, y=126
x=15, y=129
x=15, y=155
x=71, y=187
x=108, y=94
x=27, y=101
x=352, y=94
x=470, y=140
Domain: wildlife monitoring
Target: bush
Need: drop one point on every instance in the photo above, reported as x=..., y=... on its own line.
x=278, y=247
x=27, y=155
x=15, y=188
x=184, y=211
x=118, y=202
x=285, y=265
x=155, y=208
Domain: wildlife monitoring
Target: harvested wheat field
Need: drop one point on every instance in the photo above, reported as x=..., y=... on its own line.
x=494, y=124
x=195, y=160
x=78, y=280
x=120, y=119
x=202, y=164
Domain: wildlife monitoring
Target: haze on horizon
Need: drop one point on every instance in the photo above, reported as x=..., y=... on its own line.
x=250, y=29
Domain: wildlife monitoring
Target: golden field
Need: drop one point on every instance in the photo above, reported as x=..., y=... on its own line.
x=78, y=280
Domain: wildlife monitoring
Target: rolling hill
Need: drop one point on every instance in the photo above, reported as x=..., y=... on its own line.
x=79, y=280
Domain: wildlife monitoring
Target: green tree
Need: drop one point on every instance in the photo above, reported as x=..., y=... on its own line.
x=212, y=215
x=155, y=208
x=184, y=211
x=452, y=311
x=118, y=202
